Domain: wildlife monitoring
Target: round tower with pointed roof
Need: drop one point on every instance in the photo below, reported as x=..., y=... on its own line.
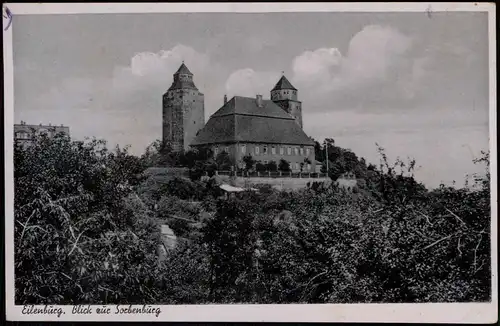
x=285, y=95
x=183, y=111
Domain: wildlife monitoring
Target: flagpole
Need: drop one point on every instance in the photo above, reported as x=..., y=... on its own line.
x=326, y=152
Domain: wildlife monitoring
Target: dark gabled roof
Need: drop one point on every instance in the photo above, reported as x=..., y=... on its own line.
x=183, y=70
x=283, y=83
x=242, y=120
x=248, y=106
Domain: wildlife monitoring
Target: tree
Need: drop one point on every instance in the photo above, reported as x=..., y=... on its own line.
x=284, y=166
x=231, y=239
x=272, y=166
x=260, y=167
x=249, y=162
x=79, y=227
x=223, y=161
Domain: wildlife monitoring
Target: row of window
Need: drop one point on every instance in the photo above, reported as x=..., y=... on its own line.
x=290, y=92
x=22, y=135
x=265, y=150
x=216, y=150
x=289, y=150
x=294, y=166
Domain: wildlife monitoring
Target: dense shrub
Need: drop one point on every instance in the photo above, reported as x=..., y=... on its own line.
x=86, y=231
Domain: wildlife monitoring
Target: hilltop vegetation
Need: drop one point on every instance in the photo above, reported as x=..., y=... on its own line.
x=87, y=231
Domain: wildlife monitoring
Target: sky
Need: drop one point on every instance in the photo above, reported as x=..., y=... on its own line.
x=417, y=85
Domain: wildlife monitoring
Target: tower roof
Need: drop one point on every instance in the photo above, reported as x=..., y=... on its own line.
x=283, y=83
x=183, y=70
x=180, y=82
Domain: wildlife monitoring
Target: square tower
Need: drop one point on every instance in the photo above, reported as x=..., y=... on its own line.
x=183, y=111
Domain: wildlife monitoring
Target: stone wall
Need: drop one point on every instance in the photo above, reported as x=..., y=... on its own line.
x=277, y=183
x=183, y=117
x=236, y=154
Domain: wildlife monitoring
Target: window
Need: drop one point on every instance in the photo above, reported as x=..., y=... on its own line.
x=273, y=150
x=243, y=148
x=302, y=151
x=308, y=151
x=216, y=150
x=296, y=150
x=308, y=167
x=289, y=151
x=264, y=151
x=257, y=150
x=226, y=149
x=282, y=150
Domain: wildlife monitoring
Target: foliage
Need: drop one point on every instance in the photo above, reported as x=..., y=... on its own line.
x=79, y=228
x=249, y=162
x=284, y=166
x=260, y=167
x=223, y=161
x=272, y=166
x=85, y=234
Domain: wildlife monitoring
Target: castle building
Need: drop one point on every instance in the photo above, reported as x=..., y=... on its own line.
x=23, y=133
x=268, y=130
x=183, y=111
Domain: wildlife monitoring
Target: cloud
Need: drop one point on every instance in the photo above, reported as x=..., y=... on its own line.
x=247, y=82
x=375, y=56
x=375, y=71
x=316, y=68
x=125, y=108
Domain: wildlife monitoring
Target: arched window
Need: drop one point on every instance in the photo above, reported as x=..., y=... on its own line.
x=257, y=150
x=273, y=150
x=308, y=151
x=243, y=148
x=282, y=150
x=302, y=151
x=289, y=150
x=264, y=150
x=296, y=150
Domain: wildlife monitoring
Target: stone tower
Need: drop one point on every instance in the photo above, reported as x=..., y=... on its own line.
x=183, y=111
x=285, y=95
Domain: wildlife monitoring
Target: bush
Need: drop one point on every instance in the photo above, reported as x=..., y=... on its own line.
x=79, y=228
x=260, y=167
x=284, y=166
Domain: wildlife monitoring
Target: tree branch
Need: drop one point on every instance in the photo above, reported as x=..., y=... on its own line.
x=475, y=253
x=438, y=241
x=312, y=279
x=456, y=216
x=427, y=218
x=25, y=225
x=75, y=243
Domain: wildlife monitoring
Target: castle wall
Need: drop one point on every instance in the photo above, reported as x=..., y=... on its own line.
x=295, y=157
x=194, y=115
x=294, y=108
x=183, y=117
x=277, y=183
